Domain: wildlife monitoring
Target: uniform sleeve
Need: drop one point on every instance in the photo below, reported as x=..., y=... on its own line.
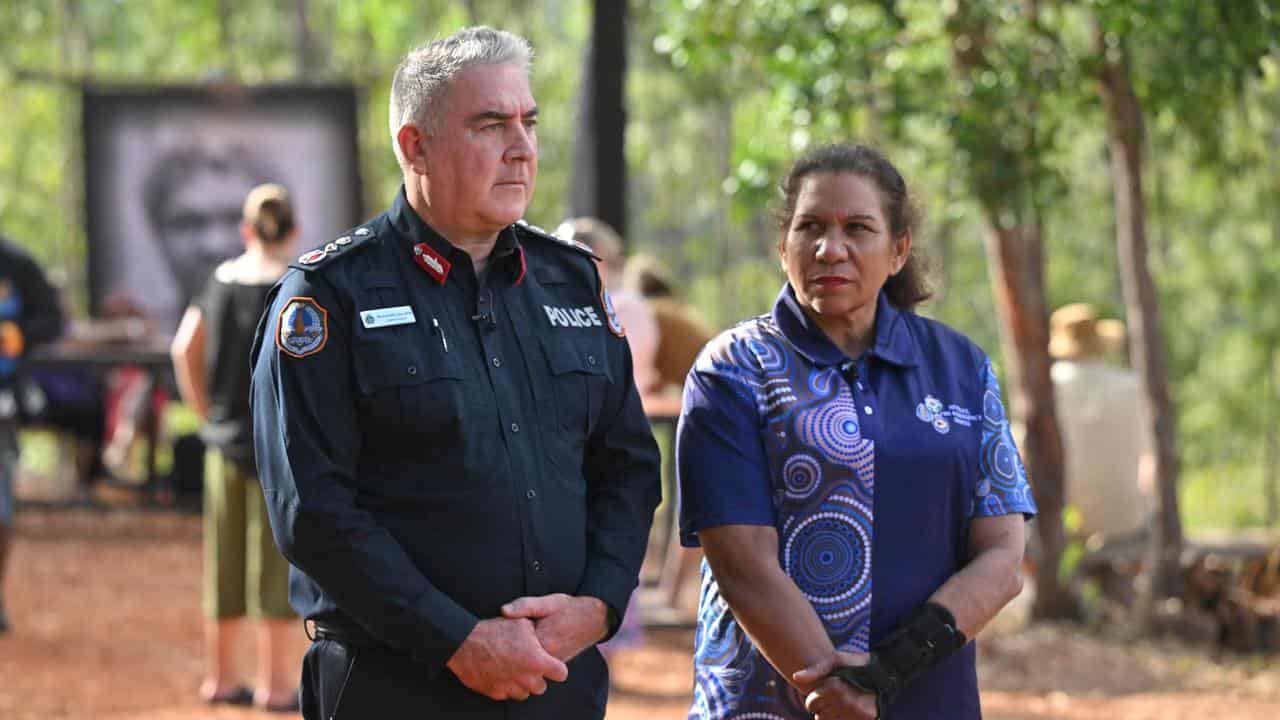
x=624, y=486
x=307, y=438
x=42, y=317
x=1002, y=487
x=720, y=460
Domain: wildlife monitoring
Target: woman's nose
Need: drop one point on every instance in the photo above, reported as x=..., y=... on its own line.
x=830, y=250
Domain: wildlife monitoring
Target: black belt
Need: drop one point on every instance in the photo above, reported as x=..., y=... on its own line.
x=340, y=632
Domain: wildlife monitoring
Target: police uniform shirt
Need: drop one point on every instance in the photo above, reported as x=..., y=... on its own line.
x=871, y=471
x=432, y=446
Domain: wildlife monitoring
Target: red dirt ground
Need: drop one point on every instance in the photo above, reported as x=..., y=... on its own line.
x=107, y=625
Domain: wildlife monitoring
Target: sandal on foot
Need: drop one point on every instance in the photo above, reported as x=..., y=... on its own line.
x=288, y=705
x=238, y=695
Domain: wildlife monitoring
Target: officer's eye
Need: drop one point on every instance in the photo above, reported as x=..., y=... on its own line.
x=530, y=122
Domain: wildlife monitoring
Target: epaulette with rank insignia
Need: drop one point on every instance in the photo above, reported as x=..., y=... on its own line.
x=341, y=247
x=537, y=232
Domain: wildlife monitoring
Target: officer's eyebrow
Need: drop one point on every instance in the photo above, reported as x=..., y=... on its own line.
x=504, y=117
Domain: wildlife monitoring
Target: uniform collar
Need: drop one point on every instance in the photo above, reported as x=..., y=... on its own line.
x=507, y=252
x=893, y=343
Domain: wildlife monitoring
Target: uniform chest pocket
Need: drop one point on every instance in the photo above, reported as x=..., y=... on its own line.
x=406, y=389
x=578, y=381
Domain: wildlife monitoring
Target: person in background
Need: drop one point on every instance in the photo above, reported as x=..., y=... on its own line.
x=642, y=336
x=1106, y=446
x=30, y=315
x=244, y=573
x=681, y=332
x=633, y=310
x=848, y=469
x=681, y=336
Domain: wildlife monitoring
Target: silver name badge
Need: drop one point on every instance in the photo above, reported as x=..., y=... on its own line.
x=386, y=317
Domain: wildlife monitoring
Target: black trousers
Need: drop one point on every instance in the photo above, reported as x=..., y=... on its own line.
x=365, y=682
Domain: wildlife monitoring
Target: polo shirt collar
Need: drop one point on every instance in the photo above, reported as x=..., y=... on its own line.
x=893, y=342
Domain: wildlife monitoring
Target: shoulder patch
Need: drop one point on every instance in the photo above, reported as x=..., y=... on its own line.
x=611, y=315
x=526, y=230
x=342, y=246
x=302, y=328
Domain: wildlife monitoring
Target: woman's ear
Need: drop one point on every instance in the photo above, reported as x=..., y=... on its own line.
x=902, y=251
x=782, y=250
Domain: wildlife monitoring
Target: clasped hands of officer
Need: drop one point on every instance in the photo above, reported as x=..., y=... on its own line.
x=513, y=656
x=831, y=698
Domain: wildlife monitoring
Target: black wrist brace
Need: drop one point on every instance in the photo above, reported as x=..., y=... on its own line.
x=925, y=638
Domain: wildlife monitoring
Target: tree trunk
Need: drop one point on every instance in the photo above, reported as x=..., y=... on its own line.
x=76, y=55
x=600, y=165
x=226, y=40
x=1271, y=473
x=1271, y=445
x=473, y=13
x=1016, y=257
x=1146, y=341
x=305, y=55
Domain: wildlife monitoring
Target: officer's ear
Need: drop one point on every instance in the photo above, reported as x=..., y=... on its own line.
x=409, y=139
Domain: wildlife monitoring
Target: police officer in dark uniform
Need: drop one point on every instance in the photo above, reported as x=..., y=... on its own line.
x=451, y=445
x=30, y=314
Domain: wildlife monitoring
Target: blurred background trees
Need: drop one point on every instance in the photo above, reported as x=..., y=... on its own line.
x=1121, y=152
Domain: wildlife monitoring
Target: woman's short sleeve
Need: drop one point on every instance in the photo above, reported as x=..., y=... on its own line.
x=721, y=465
x=1002, y=487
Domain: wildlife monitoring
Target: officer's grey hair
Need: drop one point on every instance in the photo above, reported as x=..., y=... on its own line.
x=424, y=74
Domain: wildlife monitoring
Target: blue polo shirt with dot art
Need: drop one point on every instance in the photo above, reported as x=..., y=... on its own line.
x=869, y=469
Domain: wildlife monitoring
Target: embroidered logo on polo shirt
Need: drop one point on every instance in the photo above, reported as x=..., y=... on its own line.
x=932, y=411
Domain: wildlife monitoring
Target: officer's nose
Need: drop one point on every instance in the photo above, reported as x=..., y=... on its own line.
x=524, y=146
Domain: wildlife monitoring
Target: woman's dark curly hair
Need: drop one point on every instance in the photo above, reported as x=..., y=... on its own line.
x=910, y=286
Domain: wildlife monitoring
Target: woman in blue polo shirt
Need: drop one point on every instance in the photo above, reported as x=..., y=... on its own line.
x=848, y=469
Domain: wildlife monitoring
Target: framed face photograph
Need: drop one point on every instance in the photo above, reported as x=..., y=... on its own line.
x=167, y=170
